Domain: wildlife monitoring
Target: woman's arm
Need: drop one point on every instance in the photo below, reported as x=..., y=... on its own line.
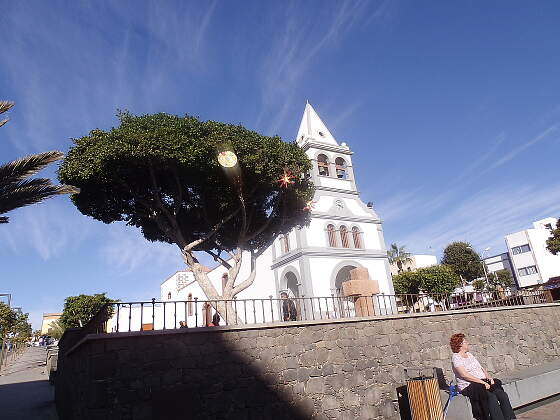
x=464, y=374
x=488, y=376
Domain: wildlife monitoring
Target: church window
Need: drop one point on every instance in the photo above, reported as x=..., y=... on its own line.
x=340, y=168
x=323, y=165
x=285, y=240
x=169, y=295
x=356, y=237
x=331, y=235
x=190, y=305
x=344, y=237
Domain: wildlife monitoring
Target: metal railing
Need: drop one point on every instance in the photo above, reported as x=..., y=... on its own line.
x=163, y=315
x=9, y=351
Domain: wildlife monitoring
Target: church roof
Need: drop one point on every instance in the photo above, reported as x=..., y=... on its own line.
x=312, y=127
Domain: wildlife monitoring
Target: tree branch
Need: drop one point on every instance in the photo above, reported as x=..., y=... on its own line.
x=249, y=281
x=193, y=244
x=217, y=257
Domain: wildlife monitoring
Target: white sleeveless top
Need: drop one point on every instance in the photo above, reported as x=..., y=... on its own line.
x=470, y=364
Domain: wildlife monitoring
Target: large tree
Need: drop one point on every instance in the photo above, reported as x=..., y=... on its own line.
x=398, y=255
x=16, y=187
x=78, y=310
x=464, y=260
x=14, y=324
x=553, y=243
x=8, y=319
x=161, y=173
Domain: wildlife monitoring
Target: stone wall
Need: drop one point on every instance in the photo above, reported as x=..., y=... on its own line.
x=343, y=369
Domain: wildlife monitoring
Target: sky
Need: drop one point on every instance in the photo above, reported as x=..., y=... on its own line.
x=452, y=110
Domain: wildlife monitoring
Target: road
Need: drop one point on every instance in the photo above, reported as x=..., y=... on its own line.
x=25, y=392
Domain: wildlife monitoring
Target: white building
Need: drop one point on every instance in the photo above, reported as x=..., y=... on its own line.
x=500, y=262
x=532, y=263
x=416, y=261
x=344, y=233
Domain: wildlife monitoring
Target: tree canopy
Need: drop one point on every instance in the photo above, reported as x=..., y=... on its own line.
x=464, y=260
x=553, y=243
x=14, y=324
x=501, y=278
x=78, y=310
x=438, y=279
x=408, y=282
x=161, y=174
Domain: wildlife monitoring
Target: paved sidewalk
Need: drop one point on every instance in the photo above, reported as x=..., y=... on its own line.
x=545, y=412
x=25, y=392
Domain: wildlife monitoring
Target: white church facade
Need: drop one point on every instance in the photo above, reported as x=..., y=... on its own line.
x=314, y=261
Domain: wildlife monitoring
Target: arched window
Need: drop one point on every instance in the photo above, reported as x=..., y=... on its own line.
x=323, y=165
x=340, y=168
x=332, y=236
x=285, y=243
x=169, y=296
x=344, y=237
x=190, y=305
x=356, y=237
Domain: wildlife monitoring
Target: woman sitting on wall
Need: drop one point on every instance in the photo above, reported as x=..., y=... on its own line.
x=488, y=398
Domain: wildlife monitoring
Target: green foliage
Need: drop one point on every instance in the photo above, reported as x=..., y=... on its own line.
x=437, y=279
x=56, y=329
x=398, y=255
x=408, y=282
x=81, y=309
x=502, y=278
x=479, y=285
x=160, y=173
x=464, y=260
x=14, y=324
x=553, y=243
x=7, y=320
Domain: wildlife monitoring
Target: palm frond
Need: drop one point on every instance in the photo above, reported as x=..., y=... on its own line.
x=28, y=192
x=4, y=122
x=19, y=169
x=5, y=105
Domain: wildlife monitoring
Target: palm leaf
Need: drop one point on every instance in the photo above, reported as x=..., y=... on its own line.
x=28, y=192
x=5, y=105
x=26, y=166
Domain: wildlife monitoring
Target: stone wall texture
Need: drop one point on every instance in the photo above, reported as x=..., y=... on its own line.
x=337, y=370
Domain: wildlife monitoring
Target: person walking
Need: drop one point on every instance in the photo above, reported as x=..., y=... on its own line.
x=488, y=398
x=289, y=310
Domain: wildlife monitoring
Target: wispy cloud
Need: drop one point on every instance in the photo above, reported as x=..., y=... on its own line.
x=127, y=251
x=553, y=129
x=48, y=229
x=487, y=217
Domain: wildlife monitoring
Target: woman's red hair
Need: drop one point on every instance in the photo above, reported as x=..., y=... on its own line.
x=456, y=341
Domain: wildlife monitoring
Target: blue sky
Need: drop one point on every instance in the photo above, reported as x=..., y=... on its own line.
x=452, y=111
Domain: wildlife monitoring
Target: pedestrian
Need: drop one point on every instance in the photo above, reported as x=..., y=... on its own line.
x=216, y=320
x=488, y=399
x=183, y=324
x=288, y=308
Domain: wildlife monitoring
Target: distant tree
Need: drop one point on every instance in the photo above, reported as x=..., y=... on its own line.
x=398, y=255
x=22, y=328
x=479, y=285
x=408, y=282
x=464, y=260
x=203, y=186
x=8, y=319
x=78, y=310
x=553, y=243
x=16, y=189
x=56, y=329
x=438, y=280
x=500, y=278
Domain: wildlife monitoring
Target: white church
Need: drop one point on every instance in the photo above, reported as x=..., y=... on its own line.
x=344, y=234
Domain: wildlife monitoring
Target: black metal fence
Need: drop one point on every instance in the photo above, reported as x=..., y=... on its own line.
x=9, y=350
x=162, y=315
